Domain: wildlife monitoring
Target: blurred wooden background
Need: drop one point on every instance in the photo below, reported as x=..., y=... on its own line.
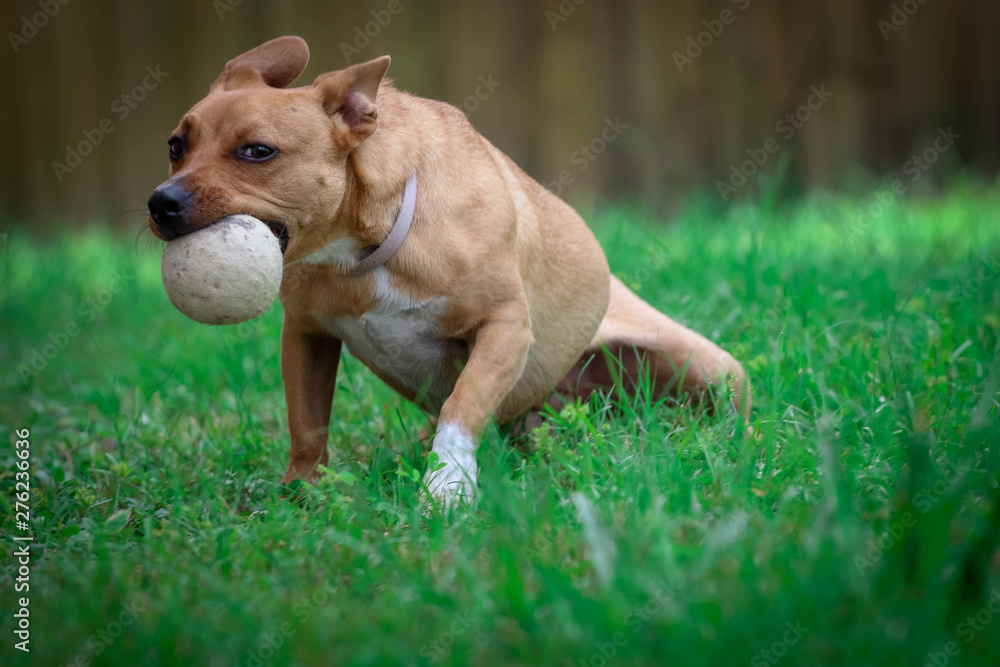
x=563, y=68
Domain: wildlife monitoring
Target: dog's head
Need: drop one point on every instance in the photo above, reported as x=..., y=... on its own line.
x=255, y=146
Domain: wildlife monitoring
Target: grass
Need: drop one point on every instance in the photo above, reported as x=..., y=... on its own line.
x=861, y=527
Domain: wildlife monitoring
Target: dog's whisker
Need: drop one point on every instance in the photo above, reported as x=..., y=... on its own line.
x=134, y=211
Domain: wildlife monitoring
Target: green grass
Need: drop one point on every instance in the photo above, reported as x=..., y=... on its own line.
x=865, y=514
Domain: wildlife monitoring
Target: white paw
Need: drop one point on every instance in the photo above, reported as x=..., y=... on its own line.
x=451, y=486
x=455, y=482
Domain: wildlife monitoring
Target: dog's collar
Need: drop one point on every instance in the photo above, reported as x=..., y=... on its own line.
x=373, y=256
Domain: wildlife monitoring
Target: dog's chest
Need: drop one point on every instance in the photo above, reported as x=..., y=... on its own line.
x=402, y=339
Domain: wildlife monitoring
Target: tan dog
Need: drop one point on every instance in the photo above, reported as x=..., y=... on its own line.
x=497, y=294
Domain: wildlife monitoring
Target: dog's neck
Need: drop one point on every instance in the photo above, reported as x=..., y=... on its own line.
x=374, y=256
x=376, y=174
x=378, y=170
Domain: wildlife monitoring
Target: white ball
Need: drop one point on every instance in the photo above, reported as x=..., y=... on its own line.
x=226, y=273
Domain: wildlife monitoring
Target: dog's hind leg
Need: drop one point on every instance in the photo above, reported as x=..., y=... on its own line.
x=636, y=336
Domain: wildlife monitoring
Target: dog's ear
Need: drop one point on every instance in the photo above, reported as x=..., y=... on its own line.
x=276, y=63
x=348, y=97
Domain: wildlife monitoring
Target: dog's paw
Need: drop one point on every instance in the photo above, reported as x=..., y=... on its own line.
x=451, y=485
x=451, y=476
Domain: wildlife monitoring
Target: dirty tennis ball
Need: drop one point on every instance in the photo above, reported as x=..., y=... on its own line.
x=226, y=273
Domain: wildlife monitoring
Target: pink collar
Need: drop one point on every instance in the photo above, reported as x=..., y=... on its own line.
x=373, y=257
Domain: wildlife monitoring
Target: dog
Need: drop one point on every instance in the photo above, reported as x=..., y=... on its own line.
x=459, y=280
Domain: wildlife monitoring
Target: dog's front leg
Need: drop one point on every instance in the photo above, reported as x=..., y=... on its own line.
x=498, y=351
x=309, y=369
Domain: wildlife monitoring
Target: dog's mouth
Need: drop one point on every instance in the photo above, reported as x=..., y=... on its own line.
x=280, y=232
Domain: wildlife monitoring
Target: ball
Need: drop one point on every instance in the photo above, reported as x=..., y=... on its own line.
x=226, y=273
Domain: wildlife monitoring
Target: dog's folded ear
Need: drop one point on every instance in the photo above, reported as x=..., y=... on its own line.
x=275, y=63
x=348, y=97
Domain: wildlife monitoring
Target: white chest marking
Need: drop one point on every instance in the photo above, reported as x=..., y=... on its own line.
x=401, y=337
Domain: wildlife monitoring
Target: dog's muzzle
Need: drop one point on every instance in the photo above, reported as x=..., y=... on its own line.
x=167, y=208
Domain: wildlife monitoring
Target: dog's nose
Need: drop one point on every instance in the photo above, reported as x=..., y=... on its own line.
x=168, y=205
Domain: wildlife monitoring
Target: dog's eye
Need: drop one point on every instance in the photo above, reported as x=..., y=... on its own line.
x=256, y=152
x=176, y=148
